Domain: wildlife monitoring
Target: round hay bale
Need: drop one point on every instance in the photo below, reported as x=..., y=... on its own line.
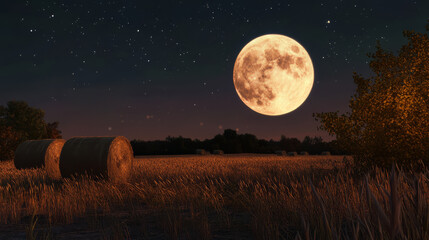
x=201, y=152
x=280, y=153
x=304, y=153
x=218, y=152
x=292, y=154
x=38, y=154
x=107, y=157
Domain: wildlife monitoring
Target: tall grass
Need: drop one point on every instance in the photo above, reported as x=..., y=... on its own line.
x=234, y=196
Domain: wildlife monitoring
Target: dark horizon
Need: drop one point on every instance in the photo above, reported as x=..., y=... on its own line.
x=325, y=139
x=232, y=142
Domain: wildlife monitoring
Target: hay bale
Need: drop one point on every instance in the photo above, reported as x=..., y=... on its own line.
x=218, y=152
x=107, y=157
x=281, y=153
x=304, y=153
x=326, y=153
x=200, y=152
x=38, y=154
x=292, y=153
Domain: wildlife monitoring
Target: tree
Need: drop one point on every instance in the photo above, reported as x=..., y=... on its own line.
x=389, y=118
x=289, y=144
x=20, y=122
x=52, y=130
x=9, y=139
x=232, y=142
x=314, y=145
x=249, y=143
x=28, y=122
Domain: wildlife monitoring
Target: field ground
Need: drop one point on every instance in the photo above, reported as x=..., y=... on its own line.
x=244, y=196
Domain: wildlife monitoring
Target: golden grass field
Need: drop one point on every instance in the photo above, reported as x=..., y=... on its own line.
x=244, y=196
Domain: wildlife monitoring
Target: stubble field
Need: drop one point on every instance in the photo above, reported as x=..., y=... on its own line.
x=217, y=197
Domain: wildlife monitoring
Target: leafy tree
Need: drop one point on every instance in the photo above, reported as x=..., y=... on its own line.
x=389, y=118
x=52, y=130
x=9, y=139
x=289, y=144
x=20, y=122
x=249, y=142
x=314, y=145
x=232, y=141
x=28, y=122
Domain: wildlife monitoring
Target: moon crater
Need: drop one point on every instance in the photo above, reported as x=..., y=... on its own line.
x=273, y=74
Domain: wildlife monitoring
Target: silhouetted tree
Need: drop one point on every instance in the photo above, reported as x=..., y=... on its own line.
x=232, y=143
x=314, y=145
x=389, y=118
x=28, y=122
x=219, y=142
x=180, y=145
x=230, y=134
x=52, y=130
x=20, y=122
x=9, y=140
x=249, y=143
x=289, y=144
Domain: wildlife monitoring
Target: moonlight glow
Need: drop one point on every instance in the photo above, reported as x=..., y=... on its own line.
x=273, y=74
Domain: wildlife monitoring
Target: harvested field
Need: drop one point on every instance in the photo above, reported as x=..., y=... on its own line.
x=242, y=196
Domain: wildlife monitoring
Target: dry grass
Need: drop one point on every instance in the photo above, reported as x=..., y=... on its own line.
x=229, y=196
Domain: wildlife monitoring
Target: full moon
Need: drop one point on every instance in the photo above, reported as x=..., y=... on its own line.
x=273, y=74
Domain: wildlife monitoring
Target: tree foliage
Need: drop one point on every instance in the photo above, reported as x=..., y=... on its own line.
x=20, y=122
x=9, y=140
x=52, y=130
x=389, y=118
x=232, y=142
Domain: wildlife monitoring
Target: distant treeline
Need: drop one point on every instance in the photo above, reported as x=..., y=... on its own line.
x=231, y=142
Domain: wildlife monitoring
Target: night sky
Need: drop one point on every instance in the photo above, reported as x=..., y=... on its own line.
x=149, y=69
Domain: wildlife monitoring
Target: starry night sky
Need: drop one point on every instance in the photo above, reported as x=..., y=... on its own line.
x=149, y=69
